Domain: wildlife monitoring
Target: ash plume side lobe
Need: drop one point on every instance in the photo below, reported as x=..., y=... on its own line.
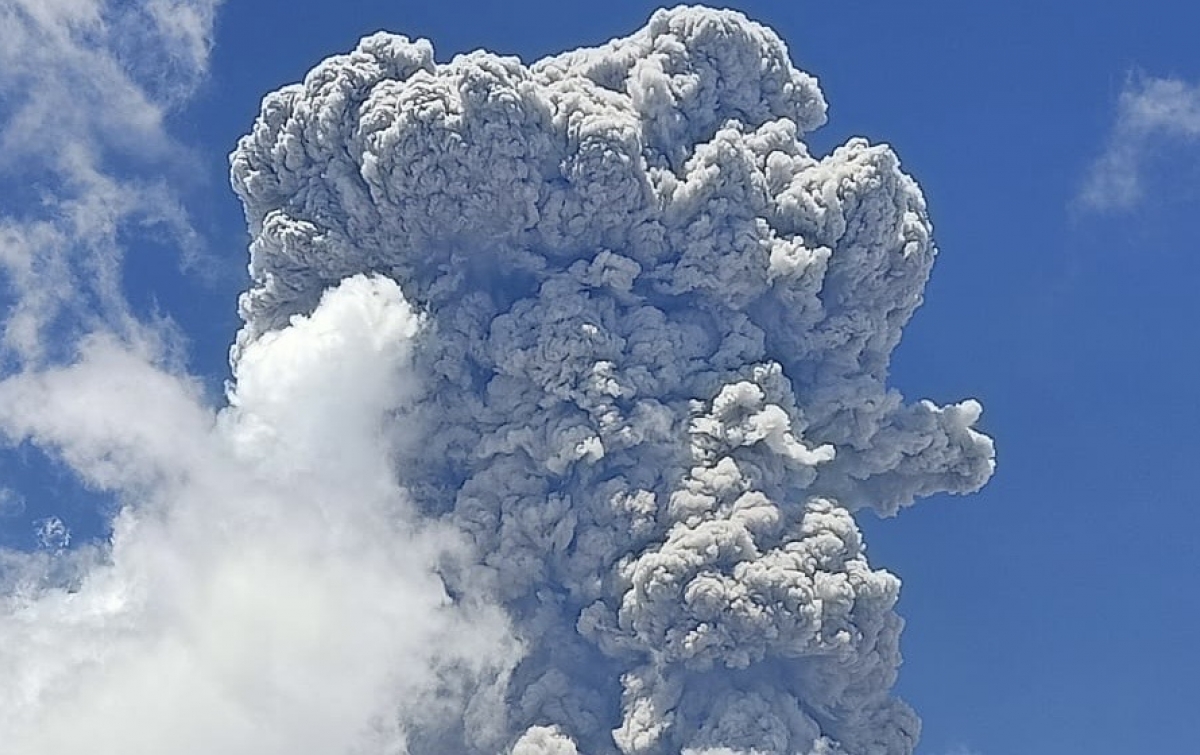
x=653, y=376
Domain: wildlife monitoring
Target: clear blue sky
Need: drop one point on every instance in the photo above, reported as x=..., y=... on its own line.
x=1056, y=610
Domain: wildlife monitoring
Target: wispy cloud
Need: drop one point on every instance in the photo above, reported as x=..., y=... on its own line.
x=85, y=90
x=1151, y=113
x=961, y=750
x=12, y=503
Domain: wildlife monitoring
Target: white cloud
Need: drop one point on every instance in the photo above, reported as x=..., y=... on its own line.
x=268, y=589
x=1152, y=114
x=12, y=503
x=961, y=750
x=85, y=87
x=53, y=533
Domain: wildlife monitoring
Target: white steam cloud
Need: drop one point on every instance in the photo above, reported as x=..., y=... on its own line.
x=557, y=389
x=268, y=588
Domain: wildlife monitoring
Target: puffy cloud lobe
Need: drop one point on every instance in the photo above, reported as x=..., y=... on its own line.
x=544, y=740
x=652, y=382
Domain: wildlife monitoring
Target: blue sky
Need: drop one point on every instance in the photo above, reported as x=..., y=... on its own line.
x=1053, y=611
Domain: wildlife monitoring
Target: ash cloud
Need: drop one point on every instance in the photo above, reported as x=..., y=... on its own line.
x=650, y=389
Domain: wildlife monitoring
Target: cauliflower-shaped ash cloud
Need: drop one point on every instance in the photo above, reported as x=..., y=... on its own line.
x=653, y=375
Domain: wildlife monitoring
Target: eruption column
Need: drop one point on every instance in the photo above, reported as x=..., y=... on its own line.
x=651, y=378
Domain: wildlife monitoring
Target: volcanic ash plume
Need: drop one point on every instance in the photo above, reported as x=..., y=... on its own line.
x=651, y=377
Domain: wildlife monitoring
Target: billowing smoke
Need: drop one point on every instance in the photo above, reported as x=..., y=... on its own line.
x=649, y=386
